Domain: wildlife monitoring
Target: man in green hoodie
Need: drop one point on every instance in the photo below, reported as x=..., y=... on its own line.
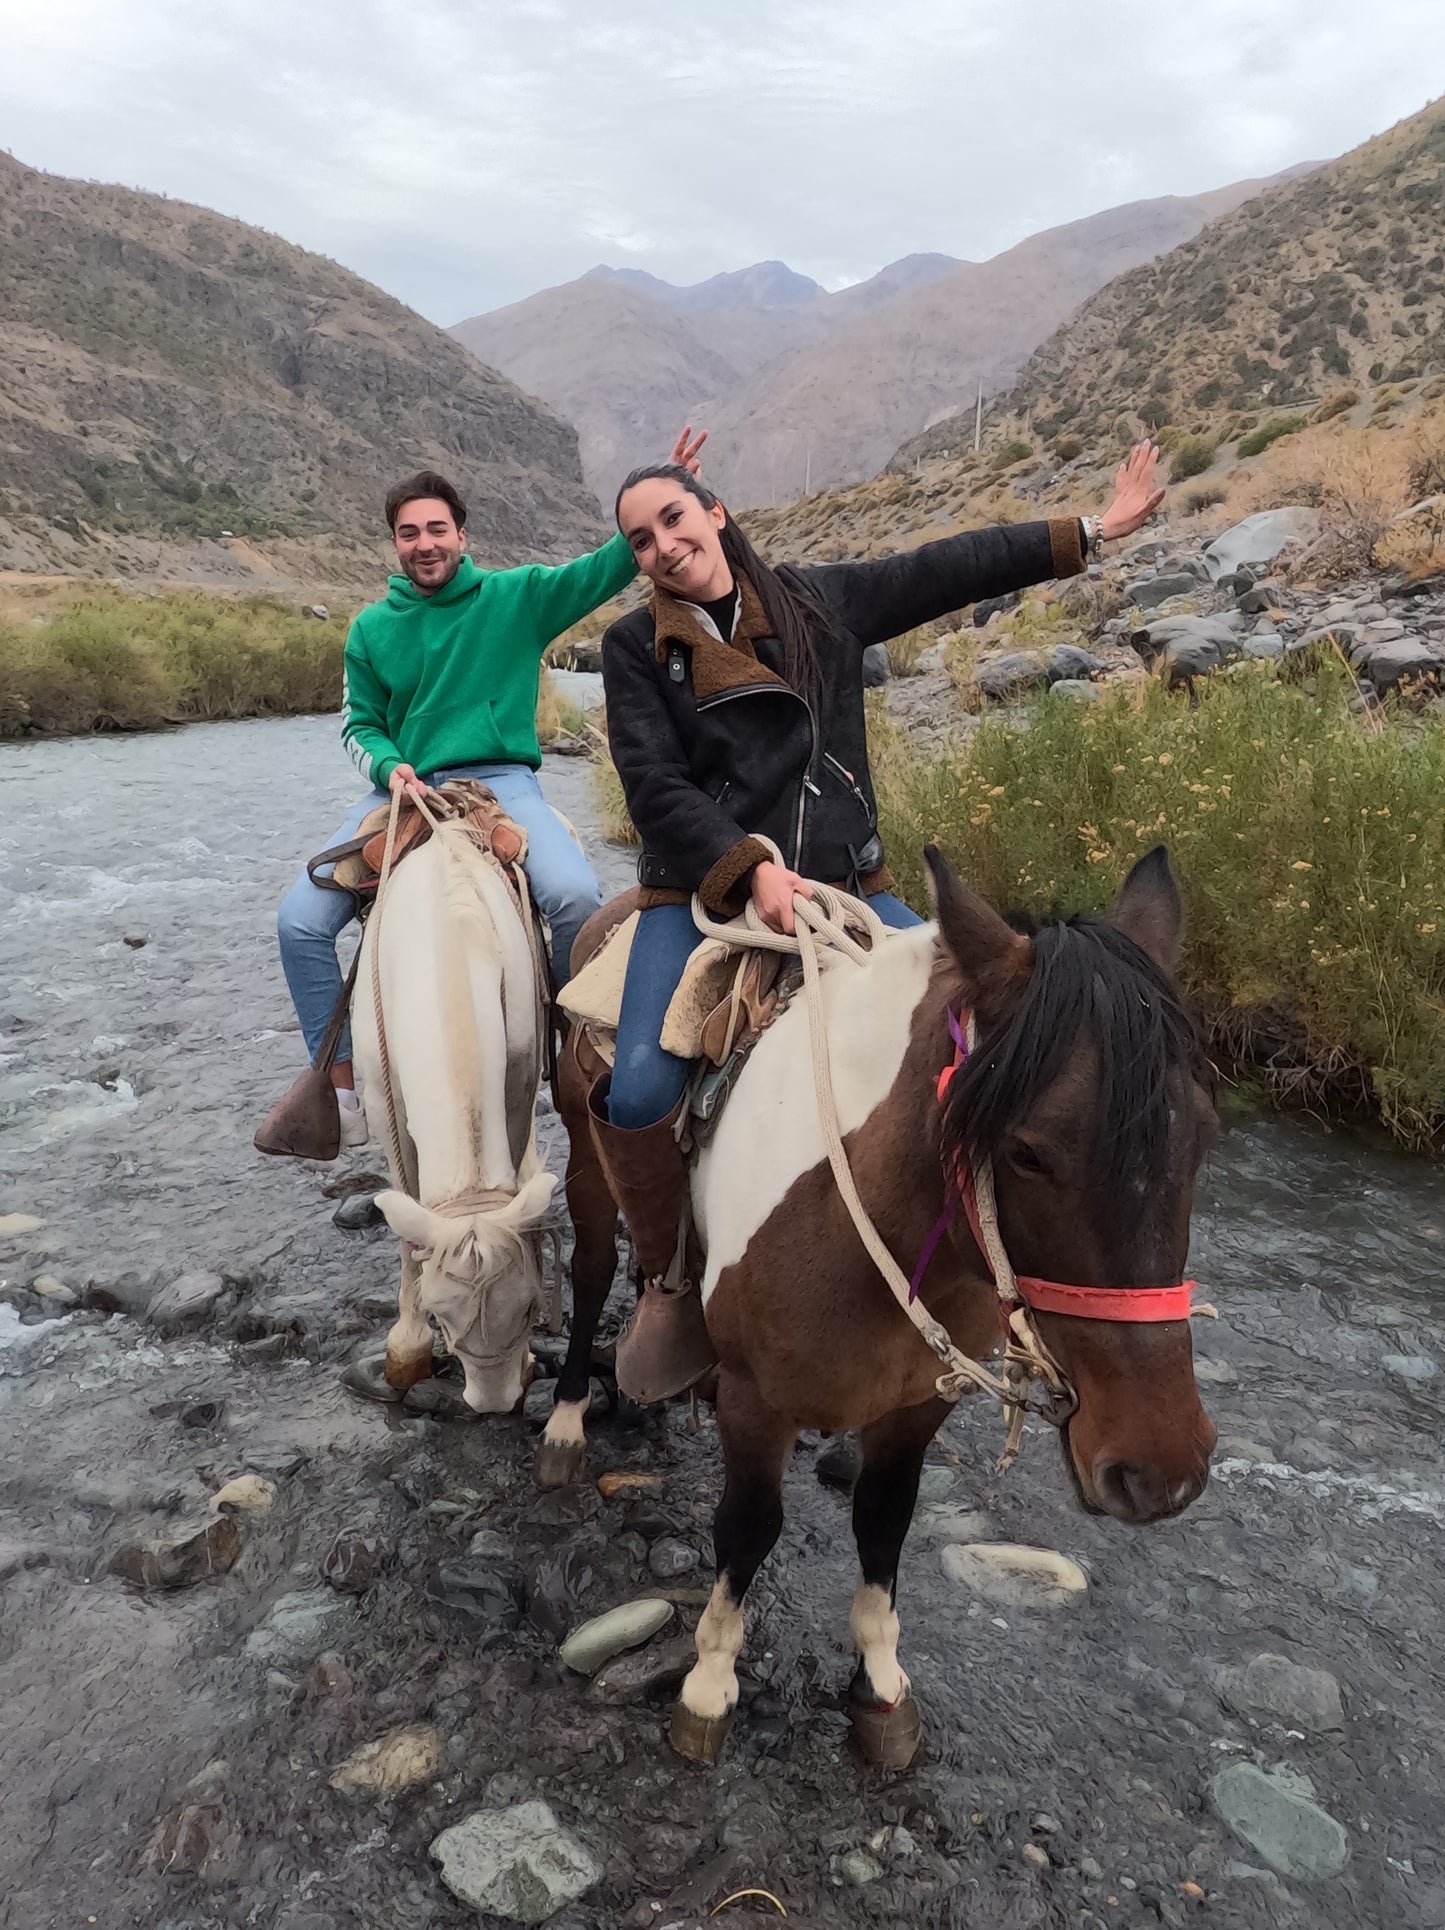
x=441, y=681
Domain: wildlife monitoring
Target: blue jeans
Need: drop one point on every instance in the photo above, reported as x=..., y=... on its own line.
x=646, y=1081
x=311, y=919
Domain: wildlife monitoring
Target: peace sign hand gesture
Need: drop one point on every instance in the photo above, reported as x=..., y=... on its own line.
x=685, y=450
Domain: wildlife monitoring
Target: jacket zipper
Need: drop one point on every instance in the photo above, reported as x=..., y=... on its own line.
x=808, y=784
x=848, y=778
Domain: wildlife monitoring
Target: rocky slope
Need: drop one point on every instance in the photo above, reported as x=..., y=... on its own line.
x=168, y=373
x=1338, y=278
x=800, y=386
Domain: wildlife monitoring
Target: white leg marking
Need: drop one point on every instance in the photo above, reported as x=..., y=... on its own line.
x=564, y=1424
x=874, y=1623
x=711, y=1688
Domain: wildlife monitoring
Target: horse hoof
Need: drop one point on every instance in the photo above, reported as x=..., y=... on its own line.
x=406, y=1366
x=699, y=1738
x=366, y=1376
x=558, y=1463
x=887, y=1738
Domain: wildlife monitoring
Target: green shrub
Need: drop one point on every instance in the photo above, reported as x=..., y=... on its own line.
x=1260, y=439
x=1311, y=855
x=1009, y=454
x=1191, y=456
x=1195, y=501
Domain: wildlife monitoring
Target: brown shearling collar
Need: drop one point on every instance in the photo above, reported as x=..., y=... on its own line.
x=715, y=666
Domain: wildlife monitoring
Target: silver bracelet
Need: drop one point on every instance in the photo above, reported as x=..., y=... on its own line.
x=1094, y=535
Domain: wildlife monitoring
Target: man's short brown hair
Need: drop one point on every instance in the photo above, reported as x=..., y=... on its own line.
x=426, y=482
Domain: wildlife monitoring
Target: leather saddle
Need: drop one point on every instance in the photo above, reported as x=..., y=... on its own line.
x=355, y=865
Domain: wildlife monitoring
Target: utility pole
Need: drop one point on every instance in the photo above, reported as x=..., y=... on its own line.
x=808, y=475
x=978, y=419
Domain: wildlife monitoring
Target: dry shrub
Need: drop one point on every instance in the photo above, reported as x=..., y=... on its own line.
x=1340, y=403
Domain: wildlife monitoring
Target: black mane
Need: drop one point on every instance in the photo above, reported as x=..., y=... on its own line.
x=1089, y=982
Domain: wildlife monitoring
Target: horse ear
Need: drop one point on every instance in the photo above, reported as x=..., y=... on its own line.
x=407, y=1218
x=1149, y=909
x=992, y=957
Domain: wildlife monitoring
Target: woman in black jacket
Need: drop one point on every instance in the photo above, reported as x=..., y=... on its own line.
x=735, y=710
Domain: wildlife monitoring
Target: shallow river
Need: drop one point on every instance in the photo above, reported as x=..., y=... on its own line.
x=131, y=1079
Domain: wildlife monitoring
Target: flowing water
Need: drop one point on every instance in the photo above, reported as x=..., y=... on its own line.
x=159, y=1767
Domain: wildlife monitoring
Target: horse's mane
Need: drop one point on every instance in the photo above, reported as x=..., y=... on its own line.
x=1089, y=983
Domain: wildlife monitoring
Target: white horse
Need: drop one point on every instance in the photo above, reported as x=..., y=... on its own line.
x=464, y=1045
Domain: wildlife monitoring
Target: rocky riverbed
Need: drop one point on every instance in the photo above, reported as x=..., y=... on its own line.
x=271, y=1655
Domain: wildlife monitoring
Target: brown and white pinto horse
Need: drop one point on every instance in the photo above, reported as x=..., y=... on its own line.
x=1090, y=1094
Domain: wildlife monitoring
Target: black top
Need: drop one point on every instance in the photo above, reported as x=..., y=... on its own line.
x=710, y=752
x=722, y=610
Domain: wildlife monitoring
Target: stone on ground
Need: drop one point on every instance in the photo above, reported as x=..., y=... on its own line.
x=1273, y=1687
x=248, y=1494
x=1005, y=1571
x=517, y=1863
x=402, y=1758
x=627, y=1627
x=181, y=1557
x=1293, y=1835
x=1260, y=538
x=186, y=1304
x=298, y=1627
x=630, y=1677
x=12, y=1225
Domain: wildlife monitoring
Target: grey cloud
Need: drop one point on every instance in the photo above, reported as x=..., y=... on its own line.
x=463, y=155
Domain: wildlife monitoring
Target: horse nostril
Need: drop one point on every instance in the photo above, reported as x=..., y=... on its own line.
x=1129, y=1493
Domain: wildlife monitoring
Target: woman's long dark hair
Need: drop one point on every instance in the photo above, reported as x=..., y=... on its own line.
x=795, y=616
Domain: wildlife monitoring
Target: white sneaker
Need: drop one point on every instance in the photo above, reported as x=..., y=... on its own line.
x=353, y=1119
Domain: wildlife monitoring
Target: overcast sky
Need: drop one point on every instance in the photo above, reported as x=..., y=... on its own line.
x=463, y=153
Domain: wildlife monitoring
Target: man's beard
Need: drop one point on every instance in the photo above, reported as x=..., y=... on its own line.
x=435, y=583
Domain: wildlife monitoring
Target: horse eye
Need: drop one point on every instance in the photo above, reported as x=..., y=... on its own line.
x=1024, y=1159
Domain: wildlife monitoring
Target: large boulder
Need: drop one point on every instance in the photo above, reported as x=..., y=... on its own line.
x=1150, y=591
x=876, y=667
x=1260, y=538
x=518, y=1863
x=1399, y=660
x=1007, y=678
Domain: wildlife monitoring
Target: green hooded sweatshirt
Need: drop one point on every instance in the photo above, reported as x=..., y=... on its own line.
x=451, y=678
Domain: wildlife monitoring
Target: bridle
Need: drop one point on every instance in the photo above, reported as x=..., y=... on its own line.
x=1132, y=1304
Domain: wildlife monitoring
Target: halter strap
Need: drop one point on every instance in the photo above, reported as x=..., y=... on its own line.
x=1131, y=1304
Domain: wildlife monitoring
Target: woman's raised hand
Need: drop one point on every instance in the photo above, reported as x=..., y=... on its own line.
x=774, y=887
x=1136, y=496
x=685, y=450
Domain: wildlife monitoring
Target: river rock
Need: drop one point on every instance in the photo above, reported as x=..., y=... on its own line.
x=857, y=1868
x=627, y=1627
x=517, y=1863
x=129, y=1292
x=1010, y=676
x=1273, y=1687
x=876, y=667
x=1150, y=591
x=1263, y=596
x=181, y=1557
x=13, y=1225
x=60, y=1297
x=1068, y=663
x=354, y=1562
x=1413, y=1368
x=1260, y=538
x=1391, y=663
x=668, y=1558
x=278, y=1460
x=247, y=1494
x=627, y=1678
x=1185, y=658
x=356, y=1212
x=298, y=1627
x=490, y=1593
x=1004, y=1571
x=1294, y=1835
x=186, y=1304
x=402, y=1758
x=1263, y=646
x=1079, y=689
x=444, y=1400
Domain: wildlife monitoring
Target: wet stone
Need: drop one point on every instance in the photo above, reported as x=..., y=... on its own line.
x=858, y=1868
x=1003, y=1571
x=201, y=1415
x=627, y=1627
x=1414, y=1369
x=445, y=1400
x=299, y=1626
x=489, y=1593
x=1273, y=1688
x=935, y=1484
x=195, y=1840
x=357, y=1212
x=628, y=1678
x=558, y=1585
x=186, y=1304
x=124, y=1293
x=668, y=1558
x=518, y=1864
x=354, y=1562
x=247, y=1494
x=182, y=1557
x=1292, y=1833
x=279, y=1462
x=399, y=1760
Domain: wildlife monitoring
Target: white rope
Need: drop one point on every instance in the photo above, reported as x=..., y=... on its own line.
x=826, y=919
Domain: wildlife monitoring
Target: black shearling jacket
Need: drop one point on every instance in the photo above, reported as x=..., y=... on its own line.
x=715, y=748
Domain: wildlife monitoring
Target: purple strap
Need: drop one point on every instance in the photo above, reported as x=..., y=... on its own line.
x=950, y=1212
